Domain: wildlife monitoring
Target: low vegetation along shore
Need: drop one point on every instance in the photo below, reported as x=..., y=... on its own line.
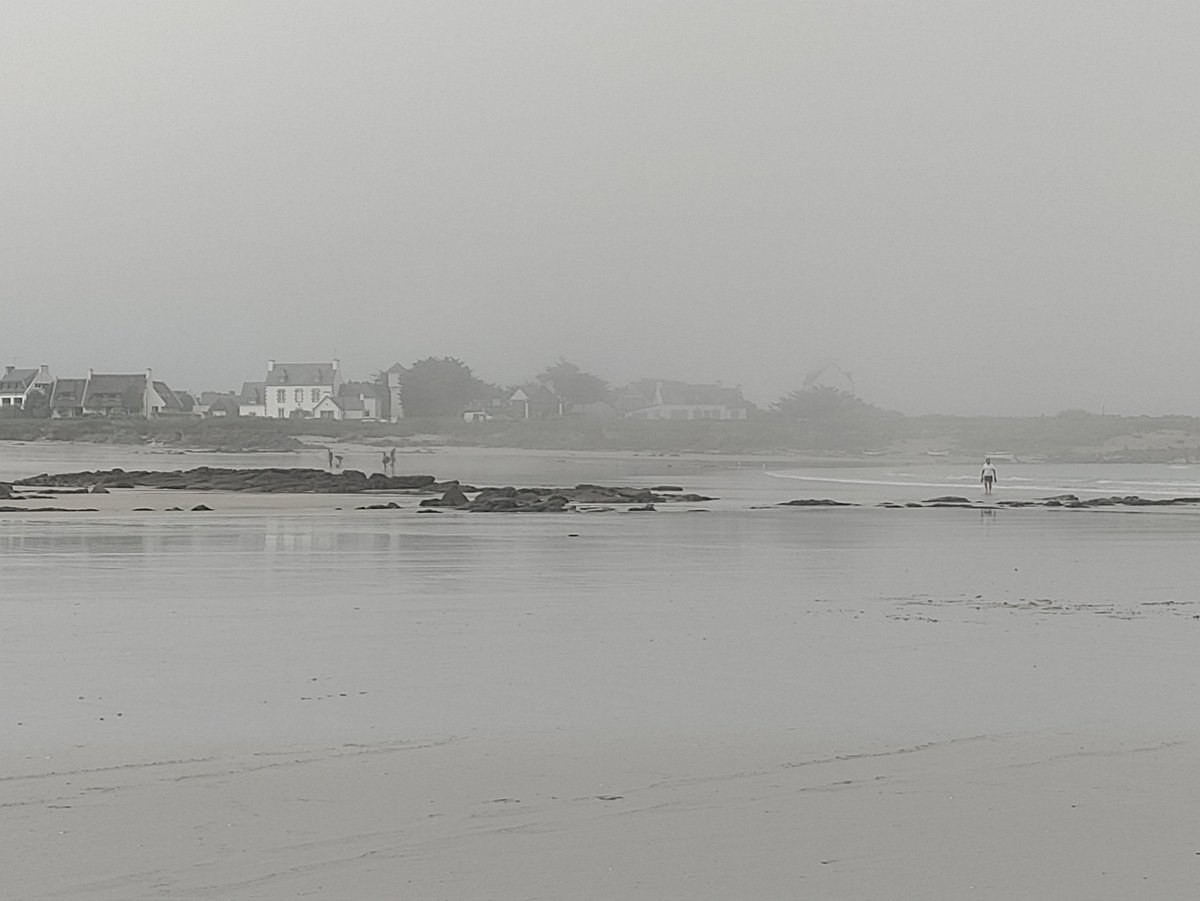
x=855, y=432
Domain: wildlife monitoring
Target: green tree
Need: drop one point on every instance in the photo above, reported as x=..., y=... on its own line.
x=440, y=386
x=820, y=403
x=574, y=385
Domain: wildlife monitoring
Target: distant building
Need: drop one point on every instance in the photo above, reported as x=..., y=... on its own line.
x=340, y=408
x=218, y=404
x=660, y=399
x=66, y=398
x=295, y=389
x=252, y=399
x=534, y=401
x=371, y=396
x=17, y=385
x=393, y=385
x=109, y=394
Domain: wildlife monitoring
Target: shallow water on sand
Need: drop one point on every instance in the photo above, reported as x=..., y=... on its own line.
x=690, y=617
x=137, y=638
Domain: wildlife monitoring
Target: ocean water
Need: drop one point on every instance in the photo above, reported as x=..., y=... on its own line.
x=589, y=621
x=607, y=648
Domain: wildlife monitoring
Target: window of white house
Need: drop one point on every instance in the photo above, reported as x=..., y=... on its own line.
x=316, y=395
x=281, y=396
x=299, y=395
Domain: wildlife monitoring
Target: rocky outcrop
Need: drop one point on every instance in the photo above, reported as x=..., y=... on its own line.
x=551, y=500
x=816, y=502
x=454, y=495
x=46, y=510
x=206, y=478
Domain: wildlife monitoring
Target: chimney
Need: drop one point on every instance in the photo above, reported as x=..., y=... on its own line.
x=335, y=365
x=91, y=372
x=44, y=369
x=270, y=365
x=149, y=377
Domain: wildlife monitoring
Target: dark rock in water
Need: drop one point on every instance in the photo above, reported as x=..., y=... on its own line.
x=46, y=510
x=5, y=490
x=453, y=497
x=391, y=505
x=429, y=510
x=666, y=488
x=99, y=489
x=914, y=504
x=648, y=508
x=948, y=499
x=276, y=480
x=201, y=508
x=266, y=480
x=143, y=509
x=816, y=502
x=1061, y=498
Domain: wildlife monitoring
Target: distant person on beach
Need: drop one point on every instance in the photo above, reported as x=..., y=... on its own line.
x=392, y=460
x=988, y=475
x=337, y=461
x=329, y=462
x=385, y=462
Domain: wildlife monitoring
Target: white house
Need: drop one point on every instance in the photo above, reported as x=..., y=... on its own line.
x=660, y=399
x=295, y=389
x=339, y=408
x=252, y=400
x=16, y=385
x=366, y=396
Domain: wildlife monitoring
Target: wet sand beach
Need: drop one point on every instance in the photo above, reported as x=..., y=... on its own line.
x=285, y=700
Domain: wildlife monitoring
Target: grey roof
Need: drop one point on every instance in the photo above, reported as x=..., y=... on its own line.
x=112, y=390
x=301, y=374
x=253, y=393
x=173, y=401
x=359, y=389
x=16, y=381
x=682, y=394
x=68, y=393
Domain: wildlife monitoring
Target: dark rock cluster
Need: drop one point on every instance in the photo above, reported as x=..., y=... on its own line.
x=551, y=500
x=816, y=502
x=206, y=478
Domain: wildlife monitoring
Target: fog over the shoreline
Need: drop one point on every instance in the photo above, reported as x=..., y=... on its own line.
x=973, y=208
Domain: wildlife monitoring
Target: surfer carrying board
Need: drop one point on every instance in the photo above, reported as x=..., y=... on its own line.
x=988, y=476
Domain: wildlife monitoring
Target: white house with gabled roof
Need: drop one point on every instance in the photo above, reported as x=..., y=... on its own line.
x=295, y=389
x=16, y=385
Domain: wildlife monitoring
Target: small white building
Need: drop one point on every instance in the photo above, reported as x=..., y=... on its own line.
x=16, y=385
x=295, y=389
x=252, y=400
x=340, y=408
x=661, y=399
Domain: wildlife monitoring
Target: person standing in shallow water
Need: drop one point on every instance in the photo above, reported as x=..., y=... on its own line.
x=988, y=475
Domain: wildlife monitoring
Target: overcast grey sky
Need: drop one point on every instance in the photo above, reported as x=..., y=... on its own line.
x=974, y=208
